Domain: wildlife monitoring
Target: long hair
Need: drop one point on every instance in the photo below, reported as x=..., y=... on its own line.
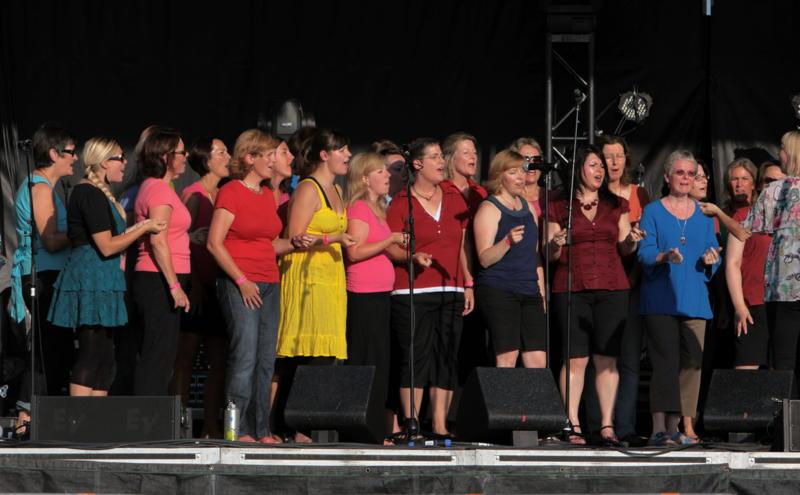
x=361, y=165
x=95, y=152
x=627, y=170
x=449, y=146
x=604, y=193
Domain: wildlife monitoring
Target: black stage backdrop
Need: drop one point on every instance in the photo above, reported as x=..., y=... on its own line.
x=392, y=69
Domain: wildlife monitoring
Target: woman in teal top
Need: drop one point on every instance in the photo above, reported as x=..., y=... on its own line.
x=89, y=294
x=54, y=152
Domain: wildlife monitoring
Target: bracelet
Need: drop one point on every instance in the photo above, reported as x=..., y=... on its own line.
x=241, y=280
x=509, y=241
x=176, y=285
x=325, y=239
x=469, y=285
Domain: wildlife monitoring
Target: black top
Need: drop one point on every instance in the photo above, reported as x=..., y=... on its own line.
x=89, y=212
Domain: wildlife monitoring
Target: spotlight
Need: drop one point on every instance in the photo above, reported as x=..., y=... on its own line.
x=796, y=105
x=635, y=106
x=285, y=118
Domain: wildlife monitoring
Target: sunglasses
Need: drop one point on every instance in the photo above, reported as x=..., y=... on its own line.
x=118, y=158
x=73, y=151
x=180, y=152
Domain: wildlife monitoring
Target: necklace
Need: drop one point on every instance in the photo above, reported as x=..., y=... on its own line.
x=256, y=190
x=428, y=198
x=683, y=230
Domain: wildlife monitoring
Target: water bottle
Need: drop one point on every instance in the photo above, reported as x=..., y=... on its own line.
x=231, y=422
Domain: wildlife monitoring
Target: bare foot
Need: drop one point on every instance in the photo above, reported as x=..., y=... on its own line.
x=302, y=438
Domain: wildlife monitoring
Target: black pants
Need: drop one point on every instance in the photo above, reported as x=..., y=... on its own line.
x=438, y=324
x=160, y=326
x=57, y=344
x=786, y=335
x=368, y=336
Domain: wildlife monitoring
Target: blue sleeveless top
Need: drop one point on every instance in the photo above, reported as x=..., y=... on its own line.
x=516, y=271
x=45, y=260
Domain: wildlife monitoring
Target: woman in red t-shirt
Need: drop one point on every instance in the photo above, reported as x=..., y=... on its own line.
x=601, y=235
x=244, y=239
x=442, y=284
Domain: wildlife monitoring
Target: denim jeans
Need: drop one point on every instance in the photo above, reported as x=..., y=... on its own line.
x=251, y=359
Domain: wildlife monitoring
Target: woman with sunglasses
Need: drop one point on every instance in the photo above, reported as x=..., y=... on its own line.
x=163, y=264
x=89, y=294
x=678, y=255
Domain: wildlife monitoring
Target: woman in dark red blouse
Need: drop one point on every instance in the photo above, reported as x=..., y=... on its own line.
x=601, y=235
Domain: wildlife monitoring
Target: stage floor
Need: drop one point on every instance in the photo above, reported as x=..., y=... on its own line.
x=225, y=468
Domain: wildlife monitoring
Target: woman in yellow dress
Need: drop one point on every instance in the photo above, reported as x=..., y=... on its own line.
x=313, y=293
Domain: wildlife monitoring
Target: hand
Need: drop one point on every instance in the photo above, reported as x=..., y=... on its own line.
x=400, y=238
x=180, y=299
x=423, y=259
x=516, y=234
x=635, y=235
x=709, y=209
x=303, y=241
x=674, y=256
x=711, y=255
x=250, y=294
x=742, y=317
x=469, y=301
x=156, y=226
x=346, y=239
x=199, y=236
x=559, y=238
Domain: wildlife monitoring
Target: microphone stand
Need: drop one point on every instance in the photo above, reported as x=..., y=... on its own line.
x=568, y=428
x=34, y=305
x=411, y=424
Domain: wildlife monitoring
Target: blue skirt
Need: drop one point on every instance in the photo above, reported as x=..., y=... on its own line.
x=89, y=291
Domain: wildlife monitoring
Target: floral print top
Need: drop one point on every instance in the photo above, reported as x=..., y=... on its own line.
x=777, y=212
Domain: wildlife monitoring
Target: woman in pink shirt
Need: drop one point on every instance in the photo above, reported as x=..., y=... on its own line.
x=210, y=159
x=370, y=273
x=163, y=266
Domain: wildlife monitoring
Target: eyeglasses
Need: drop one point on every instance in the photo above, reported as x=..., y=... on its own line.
x=73, y=151
x=118, y=158
x=701, y=178
x=618, y=156
x=180, y=152
x=684, y=173
x=769, y=180
x=435, y=156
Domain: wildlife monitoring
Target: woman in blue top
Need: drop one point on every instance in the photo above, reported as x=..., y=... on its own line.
x=679, y=255
x=54, y=152
x=509, y=285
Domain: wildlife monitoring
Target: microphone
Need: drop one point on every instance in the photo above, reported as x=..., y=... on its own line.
x=24, y=144
x=537, y=163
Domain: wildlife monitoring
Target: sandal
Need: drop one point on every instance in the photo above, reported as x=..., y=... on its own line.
x=661, y=439
x=575, y=437
x=609, y=441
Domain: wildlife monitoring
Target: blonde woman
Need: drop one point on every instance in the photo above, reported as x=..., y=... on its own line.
x=89, y=292
x=370, y=273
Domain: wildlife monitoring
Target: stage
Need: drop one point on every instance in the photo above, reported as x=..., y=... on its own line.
x=215, y=467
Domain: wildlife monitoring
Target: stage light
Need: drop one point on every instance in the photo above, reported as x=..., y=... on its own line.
x=285, y=118
x=635, y=106
x=796, y=105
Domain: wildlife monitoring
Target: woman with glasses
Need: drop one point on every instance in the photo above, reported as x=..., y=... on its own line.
x=54, y=153
x=164, y=261
x=89, y=294
x=210, y=159
x=679, y=254
x=601, y=236
x=769, y=172
x=777, y=213
x=442, y=286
